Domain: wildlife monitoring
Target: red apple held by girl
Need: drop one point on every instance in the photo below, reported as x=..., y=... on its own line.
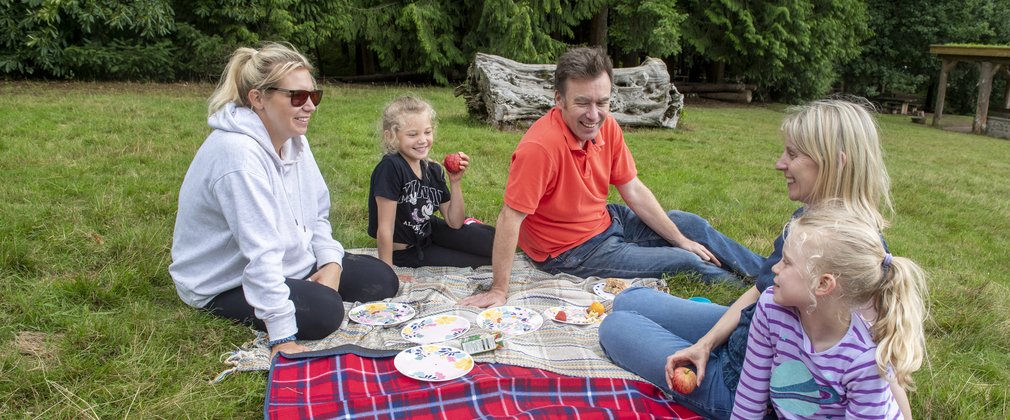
x=451, y=162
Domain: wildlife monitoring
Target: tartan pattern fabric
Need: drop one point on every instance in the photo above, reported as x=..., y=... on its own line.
x=351, y=386
x=561, y=348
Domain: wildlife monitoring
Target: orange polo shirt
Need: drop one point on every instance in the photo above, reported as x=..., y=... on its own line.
x=563, y=188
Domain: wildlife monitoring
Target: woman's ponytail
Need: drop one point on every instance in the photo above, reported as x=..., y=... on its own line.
x=227, y=90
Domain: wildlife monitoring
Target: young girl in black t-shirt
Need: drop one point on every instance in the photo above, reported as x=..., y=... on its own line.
x=407, y=187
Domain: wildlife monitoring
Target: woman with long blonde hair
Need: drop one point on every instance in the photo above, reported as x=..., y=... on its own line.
x=832, y=152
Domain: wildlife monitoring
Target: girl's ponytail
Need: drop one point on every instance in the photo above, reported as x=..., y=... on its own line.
x=898, y=330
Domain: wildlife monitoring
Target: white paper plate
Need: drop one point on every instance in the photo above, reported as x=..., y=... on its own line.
x=434, y=329
x=510, y=320
x=575, y=315
x=598, y=289
x=381, y=313
x=433, y=363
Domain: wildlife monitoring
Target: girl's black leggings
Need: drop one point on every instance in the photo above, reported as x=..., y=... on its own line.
x=468, y=246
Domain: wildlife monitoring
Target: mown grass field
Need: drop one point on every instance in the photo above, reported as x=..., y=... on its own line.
x=92, y=326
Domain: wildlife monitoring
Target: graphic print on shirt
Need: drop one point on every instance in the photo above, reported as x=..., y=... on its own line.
x=422, y=200
x=794, y=390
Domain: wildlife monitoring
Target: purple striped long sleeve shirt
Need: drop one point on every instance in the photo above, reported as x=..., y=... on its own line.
x=782, y=367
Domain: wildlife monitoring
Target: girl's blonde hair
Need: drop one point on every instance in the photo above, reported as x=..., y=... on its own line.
x=828, y=129
x=839, y=242
x=392, y=119
x=250, y=68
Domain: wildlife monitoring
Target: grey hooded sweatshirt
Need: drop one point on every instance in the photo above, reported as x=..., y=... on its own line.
x=248, y=217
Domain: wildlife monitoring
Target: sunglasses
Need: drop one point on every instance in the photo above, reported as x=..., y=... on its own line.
x=298, y=97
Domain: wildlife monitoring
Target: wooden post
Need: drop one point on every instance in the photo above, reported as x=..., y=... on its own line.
x=985, y=73
x=1006, y=93
x=941, y=90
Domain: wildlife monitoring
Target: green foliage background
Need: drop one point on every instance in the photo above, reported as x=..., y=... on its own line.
x=792, y=50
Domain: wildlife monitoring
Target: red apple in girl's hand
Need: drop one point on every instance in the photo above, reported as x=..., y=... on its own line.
x=684, y=380
x=451, y=162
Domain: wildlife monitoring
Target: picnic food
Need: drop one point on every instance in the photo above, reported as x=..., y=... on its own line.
x=595, y=310
x=451, y=162
x=561, y=316
x=684, y=380
x=614, y=286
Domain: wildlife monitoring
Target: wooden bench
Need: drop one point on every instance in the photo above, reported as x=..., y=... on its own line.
x=899, y=104
x=733, y=92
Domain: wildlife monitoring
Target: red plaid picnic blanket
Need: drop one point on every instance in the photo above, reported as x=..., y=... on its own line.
x=351, y=386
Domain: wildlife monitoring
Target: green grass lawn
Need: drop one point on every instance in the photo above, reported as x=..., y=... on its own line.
x=93, y=327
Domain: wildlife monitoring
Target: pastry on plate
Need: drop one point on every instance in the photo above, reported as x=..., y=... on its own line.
x=614, y=286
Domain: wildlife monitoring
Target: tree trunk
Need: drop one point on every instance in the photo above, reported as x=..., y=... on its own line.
x=598, y=28
x=365, y=64
x=510, y=94
x=715, y=72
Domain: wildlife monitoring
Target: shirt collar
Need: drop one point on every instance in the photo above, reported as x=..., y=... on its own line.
x=570, y=139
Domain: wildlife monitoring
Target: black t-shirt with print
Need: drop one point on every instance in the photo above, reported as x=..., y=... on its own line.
x=416, y=199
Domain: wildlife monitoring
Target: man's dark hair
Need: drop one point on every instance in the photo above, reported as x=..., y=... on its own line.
x=582, y=63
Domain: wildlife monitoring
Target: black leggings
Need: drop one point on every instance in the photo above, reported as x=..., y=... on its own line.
x=319, y=310
x=468, y=246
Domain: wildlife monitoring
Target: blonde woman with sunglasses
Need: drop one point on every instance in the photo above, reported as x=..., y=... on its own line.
x=252, y=240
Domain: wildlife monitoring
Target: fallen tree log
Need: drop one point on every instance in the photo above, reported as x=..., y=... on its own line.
x=510, y=94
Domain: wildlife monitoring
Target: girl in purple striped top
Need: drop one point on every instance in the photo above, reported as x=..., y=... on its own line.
x=811, y=352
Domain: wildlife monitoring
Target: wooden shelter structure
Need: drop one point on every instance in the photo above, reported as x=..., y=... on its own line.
x=991, y=60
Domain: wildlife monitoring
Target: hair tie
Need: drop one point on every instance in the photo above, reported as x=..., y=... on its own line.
x=888, y=258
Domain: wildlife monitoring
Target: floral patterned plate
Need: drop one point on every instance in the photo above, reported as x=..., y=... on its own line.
x=435, y=328
x=381, y=313
x=510, y=320
x=573, y=315
x=433, y=363
x=598, y=289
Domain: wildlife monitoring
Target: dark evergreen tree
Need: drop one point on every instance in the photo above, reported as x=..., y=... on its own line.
x=792, y=50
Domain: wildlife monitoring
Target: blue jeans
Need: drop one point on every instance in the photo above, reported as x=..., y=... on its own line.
x=646, y=326
x=630, y=249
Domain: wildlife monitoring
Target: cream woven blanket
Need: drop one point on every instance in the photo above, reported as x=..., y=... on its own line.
x=563, y=348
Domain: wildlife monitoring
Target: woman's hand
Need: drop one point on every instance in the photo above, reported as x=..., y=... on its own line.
x=696, y=355
x=290, y=347
x=328, y=275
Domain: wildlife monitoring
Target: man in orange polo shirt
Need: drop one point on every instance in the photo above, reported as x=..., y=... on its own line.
x=556, y=198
